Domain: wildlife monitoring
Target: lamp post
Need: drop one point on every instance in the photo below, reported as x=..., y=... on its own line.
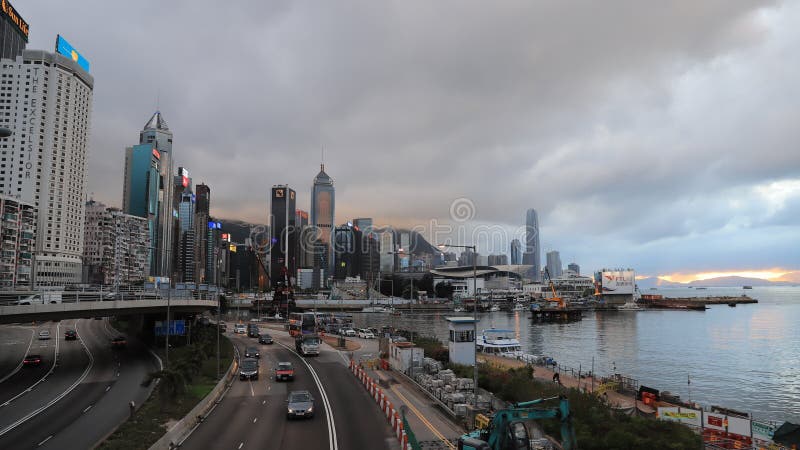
x=474, y=312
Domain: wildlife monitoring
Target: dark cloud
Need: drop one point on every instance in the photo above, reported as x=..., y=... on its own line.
x=630, y=123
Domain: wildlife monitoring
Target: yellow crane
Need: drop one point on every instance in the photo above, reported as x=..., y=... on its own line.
x=556, y=298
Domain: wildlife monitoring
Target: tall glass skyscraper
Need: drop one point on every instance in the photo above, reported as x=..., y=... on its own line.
x=516, y=252
x=157, y=133
x=323, y=206
x=532, y=255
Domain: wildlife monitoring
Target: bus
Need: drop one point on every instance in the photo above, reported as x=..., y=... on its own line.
x=301, y=323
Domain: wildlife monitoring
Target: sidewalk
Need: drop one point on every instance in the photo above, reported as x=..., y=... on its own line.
x=589, y=384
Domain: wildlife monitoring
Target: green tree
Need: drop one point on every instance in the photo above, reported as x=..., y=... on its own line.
x=171, y=383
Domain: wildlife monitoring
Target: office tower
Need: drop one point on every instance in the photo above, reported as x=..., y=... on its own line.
x=364, y=224
x=554, y=264
x=116, y=246
x=47, y=100
x=202, y=209
x=157, y=133
x=532, y=255
x=576, y=269
x=516, y=252
x=386, y=248
x=141, y=192
x=13, y=32
x=282, y=229
x=497, y=260
x=323, y=207
x=186, y=261
x=18, y=231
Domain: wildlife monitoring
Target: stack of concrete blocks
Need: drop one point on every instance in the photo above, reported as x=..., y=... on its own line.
x=456, y=393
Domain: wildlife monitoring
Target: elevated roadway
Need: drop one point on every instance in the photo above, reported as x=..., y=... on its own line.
x=89, y=309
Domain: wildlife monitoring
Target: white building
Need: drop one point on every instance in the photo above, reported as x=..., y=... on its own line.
x=46, y=101
x=117, y=246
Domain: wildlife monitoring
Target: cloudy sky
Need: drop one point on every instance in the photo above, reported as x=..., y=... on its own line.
x=656, y=135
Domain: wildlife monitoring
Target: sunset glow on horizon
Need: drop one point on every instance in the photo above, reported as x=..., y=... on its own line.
x=767, y=274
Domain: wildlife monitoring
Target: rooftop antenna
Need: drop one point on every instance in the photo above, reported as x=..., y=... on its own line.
x=158, y=99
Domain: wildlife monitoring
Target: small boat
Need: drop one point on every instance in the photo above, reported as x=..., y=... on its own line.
x=494, y=308
x=747, y=287
x=458, y=309
x=732, y=305
x=519, y=307
x=701, y=288
x=499, y=343
x=630, y=306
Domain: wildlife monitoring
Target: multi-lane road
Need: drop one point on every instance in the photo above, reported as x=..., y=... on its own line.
x=78, y=394
x=252, y=414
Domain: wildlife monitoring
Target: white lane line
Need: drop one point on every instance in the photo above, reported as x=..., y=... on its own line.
x=108, y=388
x=252, y=392
x=263, y=402
x=19, y=366
x=88, y=408
x=332, y=439
x=71, y=388
x=241, y=444
x=255, y=419
x=52, y=368
x=45, y=440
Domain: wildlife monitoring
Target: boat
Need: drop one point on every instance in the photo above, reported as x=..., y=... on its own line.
x=494, y=308
x=458, y=309
x=630, y=306
x=499, y=342
x=747, y=287
x=519, y=307
x=732, y=305
x=701, y=288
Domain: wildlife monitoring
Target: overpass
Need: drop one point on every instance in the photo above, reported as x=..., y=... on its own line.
x=89, y=309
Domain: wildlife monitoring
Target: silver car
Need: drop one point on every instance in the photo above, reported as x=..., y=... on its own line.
x=299, y=404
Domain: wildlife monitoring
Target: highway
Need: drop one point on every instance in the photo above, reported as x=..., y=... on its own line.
x=253, y=413
x=82, y=395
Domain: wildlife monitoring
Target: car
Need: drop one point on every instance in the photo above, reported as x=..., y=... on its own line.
x=223, y=327
x=284, y=371
x=252, y=352
x=239, y=328
x=44, y=335
x=365, y=333
x=70, y=335
x=264, y=338
x=32, y=360
x=253, y=331
x=248, y=369
x=348, y=332
x=299, y=404
x=119, y=342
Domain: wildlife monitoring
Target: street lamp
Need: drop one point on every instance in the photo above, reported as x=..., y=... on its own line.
x=474, y=311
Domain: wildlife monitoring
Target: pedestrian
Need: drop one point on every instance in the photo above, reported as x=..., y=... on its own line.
x=132, y=405
x=556, y=378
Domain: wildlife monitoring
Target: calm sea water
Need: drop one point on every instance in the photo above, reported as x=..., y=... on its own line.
x=745, y=358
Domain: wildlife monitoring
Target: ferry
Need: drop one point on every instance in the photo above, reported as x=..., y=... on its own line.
x=499, y=342
x=520, y=307
x=494, y=308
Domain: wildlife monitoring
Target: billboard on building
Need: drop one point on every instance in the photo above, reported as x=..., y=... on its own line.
x=618, y=281
x=65, y=48
x=15, y=18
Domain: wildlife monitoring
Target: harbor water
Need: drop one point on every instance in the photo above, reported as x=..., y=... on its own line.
x=745, y=357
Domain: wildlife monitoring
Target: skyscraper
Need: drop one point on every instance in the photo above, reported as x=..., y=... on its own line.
x=13, y=32
x=516, y=252
x=282, y=228
x=574, y=268
x=47, y=99
x=554, y=264
x=532, y=255
x=323, y=207
x=202, y=209
x=186, y=237
x=157, y=133
x=140, y=192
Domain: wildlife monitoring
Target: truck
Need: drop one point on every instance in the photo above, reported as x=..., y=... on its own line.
x=307, y=344
x=42, y=298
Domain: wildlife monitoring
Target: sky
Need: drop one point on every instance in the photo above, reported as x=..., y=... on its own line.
x=659, y=136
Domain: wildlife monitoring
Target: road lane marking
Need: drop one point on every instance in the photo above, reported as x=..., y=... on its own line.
x=255, y=419
x=88, y=408
x=241, y=444
x=263, y=402
x=423, y=419
x=332, y=439
x=45, y=440
x=108, y=388
x=52, y=368
x=71, y=388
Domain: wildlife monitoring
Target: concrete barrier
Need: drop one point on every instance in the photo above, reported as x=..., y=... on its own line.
x=392, y=416
x=180, y=431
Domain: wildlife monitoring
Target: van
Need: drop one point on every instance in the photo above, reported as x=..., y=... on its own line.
x=239, y=328
x=41, y=299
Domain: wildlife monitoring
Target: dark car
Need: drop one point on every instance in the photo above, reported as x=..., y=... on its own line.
x=119, y=342
x=264, y=338
x=253, y=331
x=70, y=335
x=251, y=352
x=32, y=360
x=299, y=404
x=248, y=369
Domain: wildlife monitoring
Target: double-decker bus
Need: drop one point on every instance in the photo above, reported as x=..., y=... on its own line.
x=301, y=323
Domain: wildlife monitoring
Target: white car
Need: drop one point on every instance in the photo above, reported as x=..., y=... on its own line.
x=365, y=334
x=44, y=334
x=240, y=328
x=348, y=332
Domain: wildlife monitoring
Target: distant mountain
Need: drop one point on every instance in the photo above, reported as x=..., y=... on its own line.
x=736, y=282
x=655, y=282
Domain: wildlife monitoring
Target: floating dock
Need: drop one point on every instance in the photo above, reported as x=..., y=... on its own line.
x=692, y=303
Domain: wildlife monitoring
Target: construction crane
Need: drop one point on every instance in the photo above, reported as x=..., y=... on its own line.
x=556, y=298
x=506, y=429
x=283, y=291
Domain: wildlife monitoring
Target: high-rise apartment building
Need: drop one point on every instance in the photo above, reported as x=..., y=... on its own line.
x=47, y=99
x=516, y=252
x=533, y=253
x=323, y=207
x=117, y=246
x=18, y=233
x=282, y=228
x=554, y=264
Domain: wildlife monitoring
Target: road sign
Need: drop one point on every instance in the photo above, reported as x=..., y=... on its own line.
x=177, y=328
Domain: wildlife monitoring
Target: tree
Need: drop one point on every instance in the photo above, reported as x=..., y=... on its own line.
x=171, y=383
x=444, y=290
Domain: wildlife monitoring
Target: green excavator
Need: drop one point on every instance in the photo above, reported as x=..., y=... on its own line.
x=506, y=429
